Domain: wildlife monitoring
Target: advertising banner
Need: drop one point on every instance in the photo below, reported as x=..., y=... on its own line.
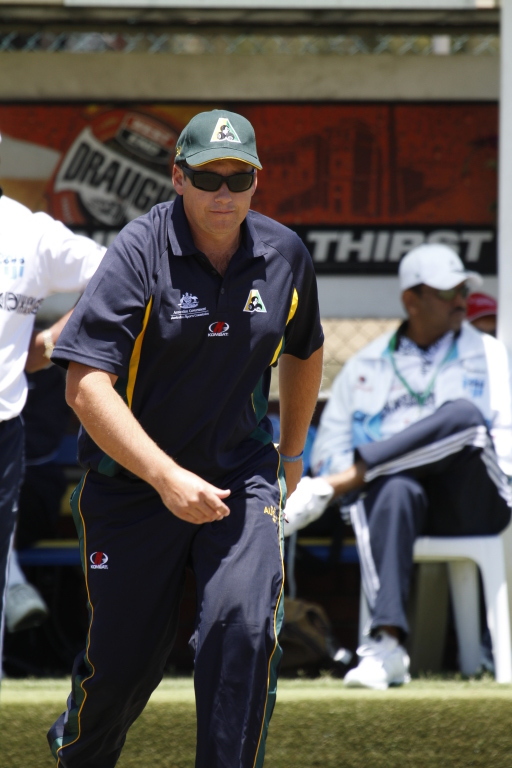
x=360, y=183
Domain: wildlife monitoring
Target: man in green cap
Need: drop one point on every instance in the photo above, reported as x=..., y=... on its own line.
x=169, y=355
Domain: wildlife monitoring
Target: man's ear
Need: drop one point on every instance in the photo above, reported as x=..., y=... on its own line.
x=178, y=179
x=255, y=183
x=410, y=300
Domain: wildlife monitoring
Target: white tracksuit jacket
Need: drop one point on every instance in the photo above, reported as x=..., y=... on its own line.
x=478, y=370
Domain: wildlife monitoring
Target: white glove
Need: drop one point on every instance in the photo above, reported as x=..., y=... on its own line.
x=307, y=503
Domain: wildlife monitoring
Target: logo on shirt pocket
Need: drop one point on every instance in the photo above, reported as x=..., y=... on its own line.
x=188, y=301
x=188, y=308
x=219, y=329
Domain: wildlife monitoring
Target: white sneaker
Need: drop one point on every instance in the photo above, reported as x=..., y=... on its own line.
x=307, y=503
x=24, y=608
x=383, y=662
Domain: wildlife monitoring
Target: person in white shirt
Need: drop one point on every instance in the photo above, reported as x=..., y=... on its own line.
x=416, y=439
x=38, y=257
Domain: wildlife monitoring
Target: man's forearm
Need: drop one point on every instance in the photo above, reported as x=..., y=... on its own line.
x=36, y=359
x=350, y=479
x=299, y=384
x=114, y=428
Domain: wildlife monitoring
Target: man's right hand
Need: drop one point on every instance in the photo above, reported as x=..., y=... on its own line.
x=114, y=428
x=191, y=498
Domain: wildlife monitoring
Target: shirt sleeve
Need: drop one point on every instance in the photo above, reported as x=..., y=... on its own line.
x=304, y=334
x=109, y=316
x=68, y=261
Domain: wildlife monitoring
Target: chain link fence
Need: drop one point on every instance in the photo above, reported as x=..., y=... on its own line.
x=343, y=338
x=196, y=43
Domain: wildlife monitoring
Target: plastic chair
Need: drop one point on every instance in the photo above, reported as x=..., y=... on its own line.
x=463, y=555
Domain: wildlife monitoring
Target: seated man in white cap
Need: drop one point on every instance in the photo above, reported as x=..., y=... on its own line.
x=419, y=429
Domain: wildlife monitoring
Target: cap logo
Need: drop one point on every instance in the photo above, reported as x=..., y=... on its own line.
x=224, y=131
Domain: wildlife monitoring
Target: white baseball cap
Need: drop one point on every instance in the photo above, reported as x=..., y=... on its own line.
x=436, y=265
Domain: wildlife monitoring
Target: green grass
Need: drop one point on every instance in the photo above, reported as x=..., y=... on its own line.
x=427, y=724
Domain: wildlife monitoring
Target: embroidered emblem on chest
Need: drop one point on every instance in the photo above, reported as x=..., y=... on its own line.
x=254, y=302
x=188, y=307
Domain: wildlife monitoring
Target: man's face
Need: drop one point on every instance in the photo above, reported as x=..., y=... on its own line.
x=436, y=314
x=215, y=213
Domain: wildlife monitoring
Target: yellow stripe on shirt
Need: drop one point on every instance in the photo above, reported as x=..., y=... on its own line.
x=135, y=358
x=293, y=308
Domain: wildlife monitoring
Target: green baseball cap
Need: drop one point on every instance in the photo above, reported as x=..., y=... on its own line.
x=217, y=135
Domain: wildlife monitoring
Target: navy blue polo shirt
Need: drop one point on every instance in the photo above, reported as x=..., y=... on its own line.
x=193, y=350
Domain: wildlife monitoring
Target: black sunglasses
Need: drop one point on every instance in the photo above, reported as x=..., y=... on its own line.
x=211, y=182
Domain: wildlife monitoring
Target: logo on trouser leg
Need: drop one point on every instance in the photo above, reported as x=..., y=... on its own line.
x=99, y=560
x=272, y=511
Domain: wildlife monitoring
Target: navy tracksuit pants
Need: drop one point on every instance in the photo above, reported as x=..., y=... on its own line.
x=438, y=477
x=134, y=553
x=12, y=450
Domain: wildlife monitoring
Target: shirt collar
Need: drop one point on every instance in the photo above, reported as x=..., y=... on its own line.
x=403, y=340
x=180, y=235
x=182, y=243
x=251, y=241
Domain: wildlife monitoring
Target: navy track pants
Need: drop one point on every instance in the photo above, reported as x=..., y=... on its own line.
x=12, y=451
x=134, y=553
x=438, y=477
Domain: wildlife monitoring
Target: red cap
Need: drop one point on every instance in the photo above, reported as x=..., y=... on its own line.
x=481, y=305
